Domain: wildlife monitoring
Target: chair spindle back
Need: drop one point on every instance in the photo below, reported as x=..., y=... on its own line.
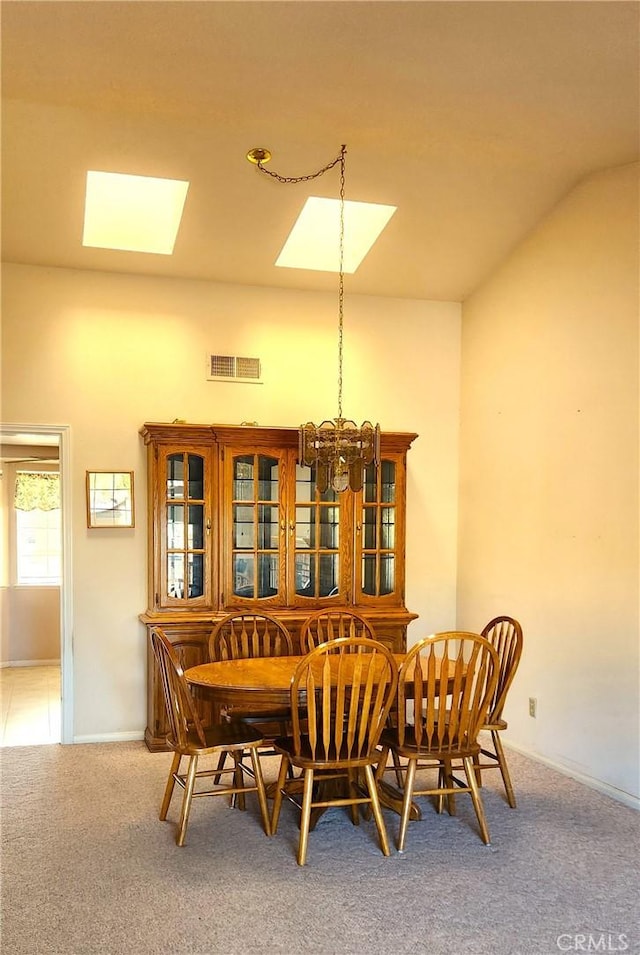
x=341, y=695
x=449, y=680
x=333, y=624
x=182, y=716
x=241, y=636
x=505, y=636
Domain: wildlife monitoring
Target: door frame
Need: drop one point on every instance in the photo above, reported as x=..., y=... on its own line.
x=63, y=433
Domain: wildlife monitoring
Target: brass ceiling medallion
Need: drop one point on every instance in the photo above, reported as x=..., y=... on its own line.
x=258, y=155
x=339, y=448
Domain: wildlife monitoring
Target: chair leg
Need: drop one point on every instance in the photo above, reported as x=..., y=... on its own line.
x=378, y=775
x=382, y=764
x=441, y=785
x=353, y=793
x=277, y=797
x=238, y=781
x=445, y=781
x=377, y=812
x=262, y=793
x=478, y=771
x=502, y=762
x=406, y=802
x=448, y=776
x=305, y=818
x=222, y=758
x=171, y=781
x=397, y=765
x=186, y=799
x=477, y=799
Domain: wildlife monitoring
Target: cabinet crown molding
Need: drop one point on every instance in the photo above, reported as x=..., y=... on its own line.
x=253, y=435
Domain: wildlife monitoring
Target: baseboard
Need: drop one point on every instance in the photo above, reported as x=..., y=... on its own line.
x=130, y=737
x=618, y=794
x=31, y=663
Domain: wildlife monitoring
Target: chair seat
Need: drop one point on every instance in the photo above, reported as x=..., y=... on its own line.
x=285, y=745
x=495, y=725
x=442, y=748
x=231, y=735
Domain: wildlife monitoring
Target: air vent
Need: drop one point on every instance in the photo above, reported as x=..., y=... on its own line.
x=232, y=368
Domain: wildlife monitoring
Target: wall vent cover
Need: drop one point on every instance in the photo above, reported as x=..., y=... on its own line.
x=232, y=368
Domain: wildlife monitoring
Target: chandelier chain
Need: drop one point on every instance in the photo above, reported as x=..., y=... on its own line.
x=338, y=449
x=312, y=175
x=343, y=152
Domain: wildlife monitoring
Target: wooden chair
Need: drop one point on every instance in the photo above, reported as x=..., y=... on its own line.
x=341, y=694
x=505, y=635
x=332, y=623
x=242, y=636
x=449, y=678
x=187, y=737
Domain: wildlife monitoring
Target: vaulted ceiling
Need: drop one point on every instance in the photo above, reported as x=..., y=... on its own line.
x=473, y=118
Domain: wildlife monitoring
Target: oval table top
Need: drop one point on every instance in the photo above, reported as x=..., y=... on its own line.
x=255, y=680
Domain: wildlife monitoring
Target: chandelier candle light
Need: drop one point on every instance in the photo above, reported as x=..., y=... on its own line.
x=338, y=448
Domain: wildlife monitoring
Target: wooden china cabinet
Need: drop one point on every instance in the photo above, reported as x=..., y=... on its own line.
x=236, y=523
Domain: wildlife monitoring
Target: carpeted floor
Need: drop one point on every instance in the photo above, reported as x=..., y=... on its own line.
x=88, y=869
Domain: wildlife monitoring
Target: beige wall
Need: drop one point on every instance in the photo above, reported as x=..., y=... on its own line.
x=549, y=476
x=104, y=353
x=32, y=625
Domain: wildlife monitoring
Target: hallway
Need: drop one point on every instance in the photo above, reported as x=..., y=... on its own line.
x=30, y=705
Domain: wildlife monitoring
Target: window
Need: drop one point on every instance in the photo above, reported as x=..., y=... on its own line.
x=38, y=528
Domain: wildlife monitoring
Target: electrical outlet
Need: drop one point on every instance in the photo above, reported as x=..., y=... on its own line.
x=533, y=706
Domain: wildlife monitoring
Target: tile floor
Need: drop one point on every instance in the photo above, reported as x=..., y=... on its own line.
x=30, y=698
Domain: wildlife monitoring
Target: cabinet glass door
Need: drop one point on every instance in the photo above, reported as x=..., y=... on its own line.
x=316, y=551
x=378, y=531
x=185, y=528
x=256, y=563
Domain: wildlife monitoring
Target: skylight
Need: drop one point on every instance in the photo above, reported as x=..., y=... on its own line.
x=314, y=240
x=132, y=213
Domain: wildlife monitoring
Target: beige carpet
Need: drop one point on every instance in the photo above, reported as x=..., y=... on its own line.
x=88, y=869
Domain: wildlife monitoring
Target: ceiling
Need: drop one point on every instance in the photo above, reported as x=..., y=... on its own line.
x=27, y=448
x=474, y=118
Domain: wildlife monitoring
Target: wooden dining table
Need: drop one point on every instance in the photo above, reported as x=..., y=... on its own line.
x=242, y=683
x=267, y=680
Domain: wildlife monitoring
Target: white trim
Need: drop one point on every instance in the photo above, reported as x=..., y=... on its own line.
x=132, y=736
x=31, y=586
x=618, y=794
x=30, y=663
x=66, y=595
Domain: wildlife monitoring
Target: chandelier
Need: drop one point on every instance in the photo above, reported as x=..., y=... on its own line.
x=339, y=448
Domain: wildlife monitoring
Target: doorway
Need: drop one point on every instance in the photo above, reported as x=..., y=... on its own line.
x=37, y=698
